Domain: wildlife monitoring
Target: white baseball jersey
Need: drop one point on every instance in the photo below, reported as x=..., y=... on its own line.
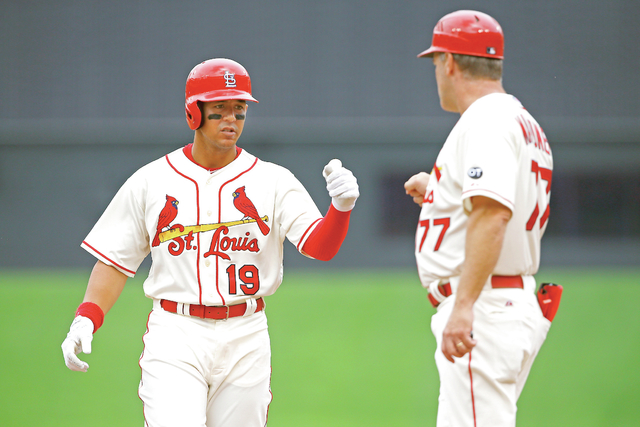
x=216, y=238
x=496, y=150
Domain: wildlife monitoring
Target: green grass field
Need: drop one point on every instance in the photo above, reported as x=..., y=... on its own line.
x=349, y=349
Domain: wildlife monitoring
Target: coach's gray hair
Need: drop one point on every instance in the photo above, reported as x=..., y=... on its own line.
x=476, y=67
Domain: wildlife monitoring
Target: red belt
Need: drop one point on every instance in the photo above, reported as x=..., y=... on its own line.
x=211, y=312
x=497, y=282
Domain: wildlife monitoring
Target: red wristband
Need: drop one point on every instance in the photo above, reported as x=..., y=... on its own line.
x=93, y=312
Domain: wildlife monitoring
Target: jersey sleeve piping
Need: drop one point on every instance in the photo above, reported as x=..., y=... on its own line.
x=306, y=235
x=106, y=259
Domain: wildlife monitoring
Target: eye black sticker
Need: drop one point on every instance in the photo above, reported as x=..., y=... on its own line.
x=474, y=173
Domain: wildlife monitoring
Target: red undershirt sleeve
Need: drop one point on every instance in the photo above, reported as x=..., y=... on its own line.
x=325, y=240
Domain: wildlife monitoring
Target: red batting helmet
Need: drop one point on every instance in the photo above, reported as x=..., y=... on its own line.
x=467, y=32
x=215, y=80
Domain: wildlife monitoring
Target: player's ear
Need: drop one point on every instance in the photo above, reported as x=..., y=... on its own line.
x=449, y=63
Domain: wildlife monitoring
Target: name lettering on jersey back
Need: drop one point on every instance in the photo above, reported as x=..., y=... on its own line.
x=533, y=134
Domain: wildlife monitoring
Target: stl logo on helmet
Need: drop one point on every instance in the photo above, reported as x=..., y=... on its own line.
x=230, y=79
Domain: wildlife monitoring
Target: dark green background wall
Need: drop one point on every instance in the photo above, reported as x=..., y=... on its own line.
x=91, y=91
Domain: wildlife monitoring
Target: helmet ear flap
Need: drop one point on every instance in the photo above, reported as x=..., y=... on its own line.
x=194, y=115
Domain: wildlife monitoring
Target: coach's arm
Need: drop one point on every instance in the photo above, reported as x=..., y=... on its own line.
x=486, y=228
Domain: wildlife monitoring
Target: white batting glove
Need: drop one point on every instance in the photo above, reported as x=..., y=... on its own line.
x=78, y=339
x=342, y=185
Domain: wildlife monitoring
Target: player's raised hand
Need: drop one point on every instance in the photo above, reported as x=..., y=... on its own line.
x=342, y=185
x=416, y=187
x=78, y=340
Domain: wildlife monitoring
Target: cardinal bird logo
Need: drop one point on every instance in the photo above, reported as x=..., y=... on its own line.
x=168, y=214
x=244, y=205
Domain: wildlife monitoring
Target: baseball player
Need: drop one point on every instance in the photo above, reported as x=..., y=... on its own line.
x=485, y=207
x=214, y=219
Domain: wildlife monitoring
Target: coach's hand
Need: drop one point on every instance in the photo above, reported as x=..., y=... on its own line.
x=416, y=187
x=78, y=339
x=457, y=338
x=342, y=185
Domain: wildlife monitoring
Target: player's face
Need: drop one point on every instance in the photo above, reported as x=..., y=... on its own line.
x=223, y=122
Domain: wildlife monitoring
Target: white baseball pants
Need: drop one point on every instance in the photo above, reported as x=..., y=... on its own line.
x=481, y=389
x=205, y=373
